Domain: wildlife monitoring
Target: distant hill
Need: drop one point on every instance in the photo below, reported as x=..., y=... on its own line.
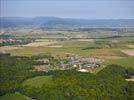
x=55, y=22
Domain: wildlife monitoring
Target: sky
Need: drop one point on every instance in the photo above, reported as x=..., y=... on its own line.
x=87, y=9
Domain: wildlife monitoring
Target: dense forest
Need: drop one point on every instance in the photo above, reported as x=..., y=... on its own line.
x=108, y=84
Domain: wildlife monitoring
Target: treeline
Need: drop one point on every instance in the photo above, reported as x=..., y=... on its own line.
x=15, y=43
x=13, y=70
x=108, y=84
x=7, y=40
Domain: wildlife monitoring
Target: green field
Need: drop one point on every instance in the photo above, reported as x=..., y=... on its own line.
x=29, y=51
x=125, y=62
x=96, y=48
x=15, y=96
x=108, y=49
x=37, y=81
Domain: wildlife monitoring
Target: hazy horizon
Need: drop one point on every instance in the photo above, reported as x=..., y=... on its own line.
x=76, y=9
x=67, y=18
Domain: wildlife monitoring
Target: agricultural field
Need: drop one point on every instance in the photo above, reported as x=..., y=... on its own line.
x=101, y=53
x=39, y=81
x=127, y=62
x=49, y=51
x=128, y=52
x=5, y=49
x=61, y=43
x=40, y=44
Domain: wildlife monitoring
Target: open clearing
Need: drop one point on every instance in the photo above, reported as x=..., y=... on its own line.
x=129, y=52
x=15, y=96
x=38, y=81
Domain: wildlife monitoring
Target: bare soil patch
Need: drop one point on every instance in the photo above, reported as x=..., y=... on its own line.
x=129, y=52
x=4, y=49
x=40, y=44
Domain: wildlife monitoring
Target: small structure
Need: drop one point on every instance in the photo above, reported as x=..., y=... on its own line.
x=42, y=61
x=91, y=65
x=74, y=65
x=83, y=70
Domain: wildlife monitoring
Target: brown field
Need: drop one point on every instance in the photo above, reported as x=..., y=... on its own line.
x=4, y=49
x=129, y=52
x=39, y=44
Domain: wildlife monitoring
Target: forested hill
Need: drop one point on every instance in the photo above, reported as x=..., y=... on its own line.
x=18, y=77
x=54, y=22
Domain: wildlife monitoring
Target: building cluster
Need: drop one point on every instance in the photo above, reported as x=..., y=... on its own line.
x=83, y=64
x=9, y=40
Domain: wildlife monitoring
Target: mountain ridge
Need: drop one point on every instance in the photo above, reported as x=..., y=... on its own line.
x=47, y=21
